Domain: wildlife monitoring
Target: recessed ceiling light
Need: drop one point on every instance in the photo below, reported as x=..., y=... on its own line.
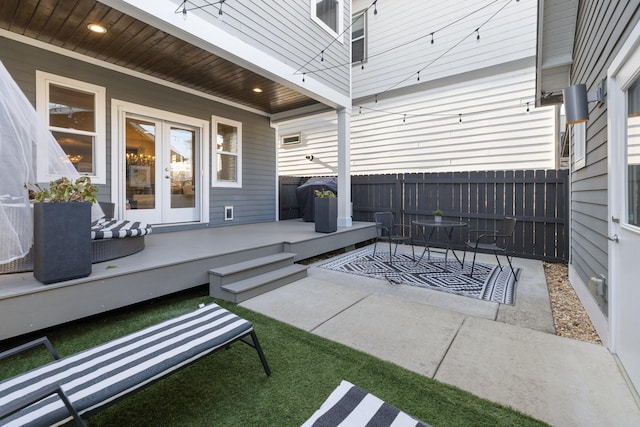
x=257, y=90
x=97, y=28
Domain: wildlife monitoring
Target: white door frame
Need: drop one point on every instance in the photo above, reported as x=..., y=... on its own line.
x=622, y=72
x=119, y=109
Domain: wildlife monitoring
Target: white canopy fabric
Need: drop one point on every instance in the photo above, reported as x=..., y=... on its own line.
x=20, y=132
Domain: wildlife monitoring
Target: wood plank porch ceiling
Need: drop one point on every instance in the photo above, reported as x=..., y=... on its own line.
x=135, y=45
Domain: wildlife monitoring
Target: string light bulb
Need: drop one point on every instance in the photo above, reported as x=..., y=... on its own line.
x=184, y=10
x=459, y=118
x=432, y=41
x=303, y=74
x=375, y=7
x=220, y=7
x=527, y=107
x=478, y=33
x=418, y=75
x=404, y=118
x=322, y=56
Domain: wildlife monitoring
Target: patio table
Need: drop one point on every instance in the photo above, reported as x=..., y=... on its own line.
x=428, y=228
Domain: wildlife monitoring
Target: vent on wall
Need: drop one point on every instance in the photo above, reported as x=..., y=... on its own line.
x=292, y=139
x=228, y=213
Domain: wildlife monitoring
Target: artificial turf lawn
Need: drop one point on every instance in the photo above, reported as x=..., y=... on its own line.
x=230, y=388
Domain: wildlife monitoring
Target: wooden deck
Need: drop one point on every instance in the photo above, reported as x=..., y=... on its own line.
x=170, y=262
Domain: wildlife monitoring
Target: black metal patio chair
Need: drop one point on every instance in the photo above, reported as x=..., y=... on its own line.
x=388, y=230
x=496, y=241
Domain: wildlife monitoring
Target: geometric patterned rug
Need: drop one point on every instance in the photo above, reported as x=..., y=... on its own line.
x=488, y=282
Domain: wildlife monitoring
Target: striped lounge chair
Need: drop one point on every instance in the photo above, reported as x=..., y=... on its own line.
x=350, y=406
x=77, y=385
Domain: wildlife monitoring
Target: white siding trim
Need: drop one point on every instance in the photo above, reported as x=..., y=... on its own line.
x=579, y=145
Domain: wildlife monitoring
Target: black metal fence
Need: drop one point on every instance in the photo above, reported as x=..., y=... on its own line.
x=537, y=198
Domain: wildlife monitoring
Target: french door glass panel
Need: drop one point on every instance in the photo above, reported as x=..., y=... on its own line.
x=141, y=163
x=161, y=163
x=182, y=167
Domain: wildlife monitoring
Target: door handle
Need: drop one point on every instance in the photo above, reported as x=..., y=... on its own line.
x=614, y=238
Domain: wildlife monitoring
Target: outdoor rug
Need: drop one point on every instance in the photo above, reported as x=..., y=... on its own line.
x=488, y=282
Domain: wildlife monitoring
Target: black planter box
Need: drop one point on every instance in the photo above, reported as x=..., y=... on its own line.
x=61, y=241
x=326, y=214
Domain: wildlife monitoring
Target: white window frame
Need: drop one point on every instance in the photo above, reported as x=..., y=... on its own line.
x=320, y=22
x=580, y=145
x=43, y=82
x=362, y=14
x=214, y=153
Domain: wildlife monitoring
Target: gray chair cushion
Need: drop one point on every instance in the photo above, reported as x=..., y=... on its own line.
x=112, y=228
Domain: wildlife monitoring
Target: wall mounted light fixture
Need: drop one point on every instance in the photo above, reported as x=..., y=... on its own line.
x=576, y=101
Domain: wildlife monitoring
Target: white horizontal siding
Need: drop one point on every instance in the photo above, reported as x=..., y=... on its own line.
x=510, y=35
x=496, y=131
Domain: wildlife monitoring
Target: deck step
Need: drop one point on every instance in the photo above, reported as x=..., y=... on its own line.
x=247, y=279
x=224, y=275
x=257, y=285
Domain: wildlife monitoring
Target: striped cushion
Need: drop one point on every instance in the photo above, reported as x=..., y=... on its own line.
x=102, y=374
x=350, y=406
x=109, y=228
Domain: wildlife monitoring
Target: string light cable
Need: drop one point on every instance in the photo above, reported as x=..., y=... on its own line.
x=430, y=35
x=407, y=116
x=475, y=31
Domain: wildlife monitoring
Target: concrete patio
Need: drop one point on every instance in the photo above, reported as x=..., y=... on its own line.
x=507, y=354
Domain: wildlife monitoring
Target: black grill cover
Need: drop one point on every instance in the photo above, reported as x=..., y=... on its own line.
x=305, y=194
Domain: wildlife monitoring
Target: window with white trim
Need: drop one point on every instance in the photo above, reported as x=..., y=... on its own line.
x=359, y=37
x=328, y=14
x=75, y=113
x=227, y=152
x=580, y=144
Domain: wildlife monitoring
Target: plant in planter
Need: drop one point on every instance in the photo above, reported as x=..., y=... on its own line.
x=437, y=215
x=326, y=211
x=62, y=230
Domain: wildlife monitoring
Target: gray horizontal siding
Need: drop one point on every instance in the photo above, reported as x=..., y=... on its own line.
x=602, y=28
x=255, y=202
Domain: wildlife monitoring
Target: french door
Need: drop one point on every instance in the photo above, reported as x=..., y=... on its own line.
x=160, y=159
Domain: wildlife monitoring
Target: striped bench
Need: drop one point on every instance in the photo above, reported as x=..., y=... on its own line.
x=77, y=385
